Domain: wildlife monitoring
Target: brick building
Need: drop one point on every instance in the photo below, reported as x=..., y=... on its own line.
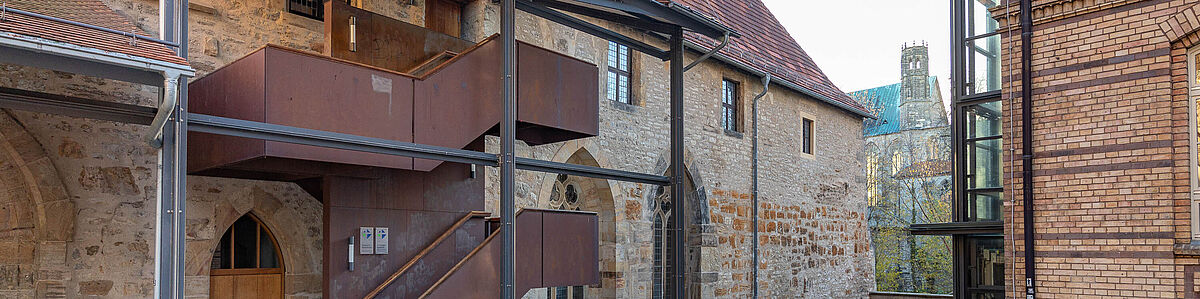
x=79, y=212
x=1107, y=118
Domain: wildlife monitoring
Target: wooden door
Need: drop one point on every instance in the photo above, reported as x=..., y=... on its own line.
x=245, y=286
x=246, y=264
x=444, y=16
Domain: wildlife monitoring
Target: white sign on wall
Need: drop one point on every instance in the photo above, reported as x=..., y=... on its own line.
x=366, y=240
x=381, y=240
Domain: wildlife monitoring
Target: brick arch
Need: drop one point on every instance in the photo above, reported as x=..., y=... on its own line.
x=296, y=226
x=1181, y=26
x=600, y=199
x=37, y=217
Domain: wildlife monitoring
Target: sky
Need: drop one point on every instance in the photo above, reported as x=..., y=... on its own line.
x=857, y=42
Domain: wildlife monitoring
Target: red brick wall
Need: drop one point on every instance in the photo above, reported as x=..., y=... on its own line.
x=1110, y=143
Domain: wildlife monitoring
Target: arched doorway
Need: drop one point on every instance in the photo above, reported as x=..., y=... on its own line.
x=246, y=263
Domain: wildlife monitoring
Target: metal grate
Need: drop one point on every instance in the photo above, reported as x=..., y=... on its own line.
x=314, y=9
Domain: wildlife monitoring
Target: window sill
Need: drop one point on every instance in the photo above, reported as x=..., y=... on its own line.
x=734, y=134
x=631, y=108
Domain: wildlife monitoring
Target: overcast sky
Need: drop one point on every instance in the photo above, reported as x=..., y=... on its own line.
x=857, y=42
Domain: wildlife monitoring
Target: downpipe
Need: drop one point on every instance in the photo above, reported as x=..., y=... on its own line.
x=170, y=99
x=1027, y=142
x=766, y=82
x=724, y=42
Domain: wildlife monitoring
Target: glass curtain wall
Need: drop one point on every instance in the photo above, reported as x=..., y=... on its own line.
x=979, y=151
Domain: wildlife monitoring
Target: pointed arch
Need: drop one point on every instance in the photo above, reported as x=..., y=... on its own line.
x=595, y=195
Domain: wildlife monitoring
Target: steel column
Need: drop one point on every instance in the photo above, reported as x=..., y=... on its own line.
x=169, y=237
x=507, y=145
x=1027, y=146
x=677, y=166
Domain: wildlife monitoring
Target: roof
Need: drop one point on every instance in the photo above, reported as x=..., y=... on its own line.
x=91, y=12
x=884, y=103
x=924, y=169
x=766, y=45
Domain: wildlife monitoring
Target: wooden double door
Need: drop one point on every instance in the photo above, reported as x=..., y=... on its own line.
x=246, y=263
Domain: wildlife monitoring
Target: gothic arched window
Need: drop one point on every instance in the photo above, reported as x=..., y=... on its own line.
x=247, y=244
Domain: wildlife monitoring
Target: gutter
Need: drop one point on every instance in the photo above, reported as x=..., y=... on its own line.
x=808, y=92
x=1027, y=143
x=172, y=73
x=766, y=82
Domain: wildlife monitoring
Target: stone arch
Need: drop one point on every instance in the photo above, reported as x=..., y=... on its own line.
x=37, y=217
x=293, y=217
x=701, y=235
x=598, y=197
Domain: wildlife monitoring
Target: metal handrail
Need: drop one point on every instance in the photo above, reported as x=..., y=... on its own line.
x=7, y=9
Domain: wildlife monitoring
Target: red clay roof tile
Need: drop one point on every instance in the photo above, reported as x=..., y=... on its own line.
x=91, y=12
x=766, y=45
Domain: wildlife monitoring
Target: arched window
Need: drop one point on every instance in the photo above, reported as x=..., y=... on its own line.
x=246, y=263
x=662, y=258
x=247, y=244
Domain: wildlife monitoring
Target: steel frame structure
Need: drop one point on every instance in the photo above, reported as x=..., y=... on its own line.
x=665, y=20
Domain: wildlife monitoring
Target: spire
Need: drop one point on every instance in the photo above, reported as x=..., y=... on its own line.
x=914, y=71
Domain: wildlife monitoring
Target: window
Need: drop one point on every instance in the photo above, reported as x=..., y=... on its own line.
x=729, y=105
x=985, y=276
x=807, y=140
x=314, y=9
x=575, y=292
x=619, y=65
x=983, y=173
x=246, y=245
x=662, y=244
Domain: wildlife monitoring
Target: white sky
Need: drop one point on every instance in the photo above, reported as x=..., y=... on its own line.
x=857, y=42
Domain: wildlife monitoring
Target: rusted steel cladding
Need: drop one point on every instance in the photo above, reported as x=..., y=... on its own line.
x=382, y=41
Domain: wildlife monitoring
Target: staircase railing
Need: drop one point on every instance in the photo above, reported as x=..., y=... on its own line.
x=424, y=252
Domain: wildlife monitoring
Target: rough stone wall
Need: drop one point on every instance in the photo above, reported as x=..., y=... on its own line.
x=815, y=204
x=814, y=237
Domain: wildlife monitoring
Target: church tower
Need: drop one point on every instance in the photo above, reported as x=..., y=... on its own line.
x=914, y=72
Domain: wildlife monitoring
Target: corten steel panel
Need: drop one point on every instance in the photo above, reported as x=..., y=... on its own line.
x=557, y=91
x=417, y=206
x=305, y=91
x=555, y=249
x=529, y=254
x=382, y=41
x=430, y=267
x=459, y=102
x=235, y=91
x=478, y=277
x=571, y=252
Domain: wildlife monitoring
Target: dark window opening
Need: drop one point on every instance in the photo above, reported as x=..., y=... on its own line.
x=807, y=140
x=729, y=105
x=247, y=244
x=619, y=73
x=985, y=267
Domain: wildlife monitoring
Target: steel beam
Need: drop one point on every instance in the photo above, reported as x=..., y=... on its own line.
x=508, y=133
x=679, y=206
x=589, y=28
x=591, y=172
x=75, y=107
x=647, y=24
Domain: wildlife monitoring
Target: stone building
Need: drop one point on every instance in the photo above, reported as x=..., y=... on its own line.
x=1081, y=180
x=79, y=206
x=907, y=155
